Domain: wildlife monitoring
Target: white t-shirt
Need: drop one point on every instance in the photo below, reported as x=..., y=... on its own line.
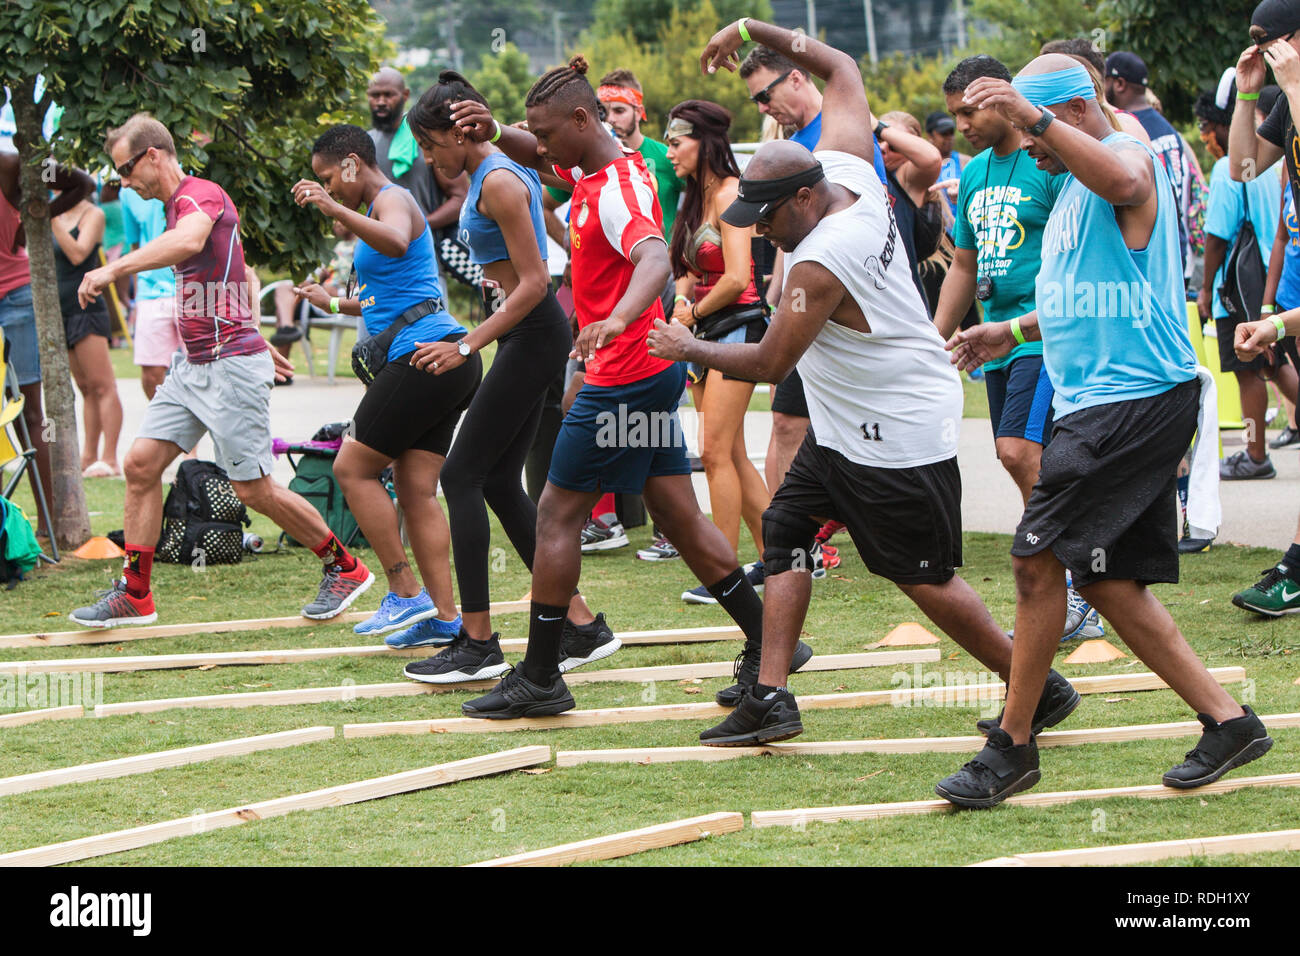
x=889, y=398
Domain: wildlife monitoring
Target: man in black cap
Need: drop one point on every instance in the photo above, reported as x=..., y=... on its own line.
x=881, y=452
x=1125, y=84
x=941, y=130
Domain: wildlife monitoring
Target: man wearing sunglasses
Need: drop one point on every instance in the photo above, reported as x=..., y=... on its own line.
x=219, y=383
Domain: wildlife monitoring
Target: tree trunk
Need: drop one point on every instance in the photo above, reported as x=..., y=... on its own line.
x=67, y=498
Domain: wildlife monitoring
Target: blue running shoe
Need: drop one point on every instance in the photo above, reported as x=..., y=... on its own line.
x=396, y=613
x=1079, y=616
x=430, y=631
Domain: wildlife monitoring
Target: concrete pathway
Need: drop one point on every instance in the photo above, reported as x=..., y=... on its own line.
x=1255, y=512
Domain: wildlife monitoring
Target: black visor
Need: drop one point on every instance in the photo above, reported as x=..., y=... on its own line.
x=754, y=197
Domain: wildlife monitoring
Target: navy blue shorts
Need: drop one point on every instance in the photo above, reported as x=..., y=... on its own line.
x=1020, y=400
x=617, y=436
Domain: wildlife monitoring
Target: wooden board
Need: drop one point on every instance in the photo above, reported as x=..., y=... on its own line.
x=1128, y=853
x=143, y=763
x=626, y=715
x=904, y=745
x=345, y=692
x=117, y=635
x=628, y=842
x=875, y=811
x=362, y=790
x=157, y=662
x=45, y=713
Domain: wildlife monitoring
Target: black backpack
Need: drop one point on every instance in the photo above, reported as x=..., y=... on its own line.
x=203, y=519
x=1242, y=292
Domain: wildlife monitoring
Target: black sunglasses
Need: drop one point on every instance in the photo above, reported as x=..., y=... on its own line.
x=125, y=168
x=764, y=96
x=766, y=218
x=1257, y=35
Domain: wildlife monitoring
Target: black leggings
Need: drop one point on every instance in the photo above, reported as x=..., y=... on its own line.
x=485, y=465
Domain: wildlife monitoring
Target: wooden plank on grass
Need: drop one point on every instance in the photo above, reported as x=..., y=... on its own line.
x=45, y=713
x=362, y=790
x=875, y=811
x=1126, y=854
x=628, y=842
x=143, y=763
x=152, y=662
x=117, y=635
x=159, y=662
x=348, y=692
x=905, y=745
x=627, y=715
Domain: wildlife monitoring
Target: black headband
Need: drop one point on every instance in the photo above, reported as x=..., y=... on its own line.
x=765, y=190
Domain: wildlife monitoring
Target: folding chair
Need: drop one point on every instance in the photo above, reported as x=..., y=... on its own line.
x=12, y=401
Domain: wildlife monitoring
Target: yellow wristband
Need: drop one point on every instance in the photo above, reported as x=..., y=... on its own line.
x=680, y=298
x=1267, y=309
x=744, y=31
x=334, y=304
x=1015, y=331
x=1247, y=96
x=497, y=135
x=1281, y=327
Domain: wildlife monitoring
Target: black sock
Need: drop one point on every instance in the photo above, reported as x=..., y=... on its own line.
x=1292, y=561
x=739, y=599
x=762, y=690
x=545, y=628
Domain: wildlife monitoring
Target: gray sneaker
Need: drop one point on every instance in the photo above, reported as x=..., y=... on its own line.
x=1241, y=467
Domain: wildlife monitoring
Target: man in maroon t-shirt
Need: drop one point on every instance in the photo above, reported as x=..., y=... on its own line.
x=219, y=382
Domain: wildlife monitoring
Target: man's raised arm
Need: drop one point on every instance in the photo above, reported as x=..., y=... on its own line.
x=846, y=118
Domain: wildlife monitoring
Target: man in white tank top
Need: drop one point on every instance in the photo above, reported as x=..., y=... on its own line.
x=885, y=403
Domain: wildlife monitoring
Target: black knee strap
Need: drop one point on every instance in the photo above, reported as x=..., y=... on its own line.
x=787, y=541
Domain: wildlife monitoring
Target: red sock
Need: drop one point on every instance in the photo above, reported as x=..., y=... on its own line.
x=604, y=506
x=137, y=568
x=332, y=552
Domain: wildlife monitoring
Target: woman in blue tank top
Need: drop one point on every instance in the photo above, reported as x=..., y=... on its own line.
x=501, y=222
x=408, y=416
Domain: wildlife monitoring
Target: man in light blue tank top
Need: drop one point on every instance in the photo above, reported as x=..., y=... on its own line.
x=1111, y=317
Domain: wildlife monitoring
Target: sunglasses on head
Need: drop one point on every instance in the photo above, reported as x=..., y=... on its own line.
x=126, y=168
x=764, y=96
x=1260, y=35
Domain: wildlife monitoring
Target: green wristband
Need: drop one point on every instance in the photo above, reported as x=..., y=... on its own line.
x=1281, y=327
x=1247, y=96
x=497, y=135
x=334, y=305
x=744, y=31
x=1267, y=309
x=1015, y=331
x=680, y=298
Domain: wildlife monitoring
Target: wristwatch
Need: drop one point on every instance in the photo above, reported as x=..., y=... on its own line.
x=463, y=348
x=881, y=126
x=1044, y=121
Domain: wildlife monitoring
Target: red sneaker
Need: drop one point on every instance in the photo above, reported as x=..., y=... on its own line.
x=116, y=607
x=338, y=589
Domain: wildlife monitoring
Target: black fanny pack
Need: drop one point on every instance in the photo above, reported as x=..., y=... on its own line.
x=717, y=324
x=369, y=357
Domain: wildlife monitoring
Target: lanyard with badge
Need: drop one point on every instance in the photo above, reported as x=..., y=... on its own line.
x=984, y=282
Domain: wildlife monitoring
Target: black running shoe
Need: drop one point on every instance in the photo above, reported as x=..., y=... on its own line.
x=1057, y=702
x=464, y=660
x=517, y=696
x=1221, y=748
x=755, y=721
x=745, y=671
x=995, y=773
x=583, y=644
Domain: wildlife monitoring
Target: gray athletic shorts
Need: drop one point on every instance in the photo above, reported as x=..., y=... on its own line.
x=230, y=399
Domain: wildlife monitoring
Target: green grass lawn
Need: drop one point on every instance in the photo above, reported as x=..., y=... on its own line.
x=483, y=818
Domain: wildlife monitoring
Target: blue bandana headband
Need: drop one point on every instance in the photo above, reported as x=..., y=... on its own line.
x=1059, y=86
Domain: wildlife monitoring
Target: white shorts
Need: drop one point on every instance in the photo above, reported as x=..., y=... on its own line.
x=230, y=399
x=157, y=336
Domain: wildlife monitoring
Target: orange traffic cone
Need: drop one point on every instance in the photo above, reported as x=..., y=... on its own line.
x=906, y=634
x=99, y=548
x=1094, y=652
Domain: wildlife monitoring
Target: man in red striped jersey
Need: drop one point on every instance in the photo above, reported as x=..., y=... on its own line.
x=219, y=382
x=622, y=433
